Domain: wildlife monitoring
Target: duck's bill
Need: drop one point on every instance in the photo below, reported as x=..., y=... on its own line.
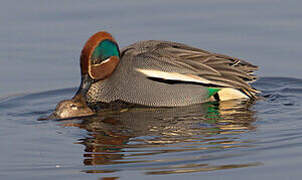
x=86, y=82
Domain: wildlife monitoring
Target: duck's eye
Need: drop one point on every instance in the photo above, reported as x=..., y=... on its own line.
x=103, y=51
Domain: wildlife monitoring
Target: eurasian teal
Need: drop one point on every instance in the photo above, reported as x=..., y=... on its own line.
x=160, y=74
x=75, y=107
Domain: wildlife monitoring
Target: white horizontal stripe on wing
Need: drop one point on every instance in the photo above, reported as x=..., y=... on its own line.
x=173, y=76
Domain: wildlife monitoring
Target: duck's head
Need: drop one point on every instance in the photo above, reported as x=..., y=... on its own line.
x=75, y=107
x=99, y=58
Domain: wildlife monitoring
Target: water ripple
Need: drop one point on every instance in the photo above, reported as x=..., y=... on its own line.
x=158, y=141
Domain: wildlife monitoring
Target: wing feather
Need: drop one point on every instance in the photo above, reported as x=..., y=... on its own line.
x=179, y=62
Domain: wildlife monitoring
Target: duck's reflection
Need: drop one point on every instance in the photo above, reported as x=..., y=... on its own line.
x=137, y=135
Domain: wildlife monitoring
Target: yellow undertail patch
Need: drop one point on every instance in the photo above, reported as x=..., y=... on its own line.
x=229, y=94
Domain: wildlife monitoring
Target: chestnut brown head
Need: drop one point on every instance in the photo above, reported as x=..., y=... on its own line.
x=99, y=58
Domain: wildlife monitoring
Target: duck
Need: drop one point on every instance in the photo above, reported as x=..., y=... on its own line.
x=71, y=108
x=158, y=73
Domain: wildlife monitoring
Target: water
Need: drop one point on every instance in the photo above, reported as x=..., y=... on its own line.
x=39, y=52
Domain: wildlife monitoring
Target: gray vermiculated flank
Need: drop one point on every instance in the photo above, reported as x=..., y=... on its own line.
x=128, y=85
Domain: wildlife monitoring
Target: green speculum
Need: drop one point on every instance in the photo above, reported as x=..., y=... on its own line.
x=103, y=51
x=212, y=91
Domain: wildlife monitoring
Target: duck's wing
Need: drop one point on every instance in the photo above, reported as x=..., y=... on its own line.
x=178, y=63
